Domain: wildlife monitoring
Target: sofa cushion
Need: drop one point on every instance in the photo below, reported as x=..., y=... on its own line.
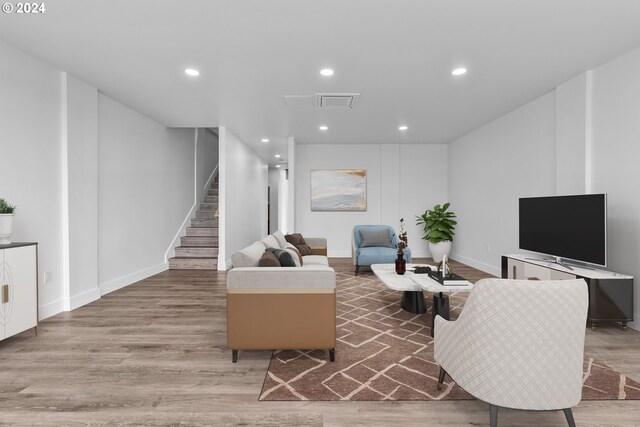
x=270, y=242
x=297, y=240
x=249, y=256
x=269, y=260
x=285, y=257
x=375, y=238
x=280, y=238
x=296, y=252
x=315, y=260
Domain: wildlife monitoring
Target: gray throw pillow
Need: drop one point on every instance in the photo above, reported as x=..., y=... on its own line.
x=375, y=238
x=285, y=257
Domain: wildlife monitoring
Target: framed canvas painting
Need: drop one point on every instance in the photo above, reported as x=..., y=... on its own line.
x=338, y=190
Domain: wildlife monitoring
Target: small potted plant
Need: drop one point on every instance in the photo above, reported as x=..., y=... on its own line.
x=438, y=230
x=403, y=242
x=6, y=221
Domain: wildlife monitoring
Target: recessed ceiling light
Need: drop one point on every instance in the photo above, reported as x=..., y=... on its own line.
x=403, y=127
x=278, y=166
x=326, y=72
x=265, y=139
x=192, y=72
x=459, y=71
x=323, y=127
x=277, y=156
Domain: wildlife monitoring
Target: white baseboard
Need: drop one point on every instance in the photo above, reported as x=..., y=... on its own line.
x=121, y=282
x=85, y=297
x=496, y=271
x=636, y=324
x=51, y=309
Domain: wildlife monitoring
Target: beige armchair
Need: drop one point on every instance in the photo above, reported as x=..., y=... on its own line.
x=517, y=344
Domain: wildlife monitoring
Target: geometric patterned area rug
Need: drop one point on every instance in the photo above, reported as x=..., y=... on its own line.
x=386, y=353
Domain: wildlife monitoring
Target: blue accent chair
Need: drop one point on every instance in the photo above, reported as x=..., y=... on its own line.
x=375, y=255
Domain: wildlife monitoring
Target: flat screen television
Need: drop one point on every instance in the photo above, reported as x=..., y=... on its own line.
x=571, y=227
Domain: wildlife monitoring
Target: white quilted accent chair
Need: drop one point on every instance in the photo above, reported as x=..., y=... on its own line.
x=517, y=344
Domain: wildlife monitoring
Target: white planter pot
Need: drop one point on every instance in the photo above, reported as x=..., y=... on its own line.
x=440, y=249
x=6, y=228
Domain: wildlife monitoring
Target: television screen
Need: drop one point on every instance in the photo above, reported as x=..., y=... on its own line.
x=573, y=227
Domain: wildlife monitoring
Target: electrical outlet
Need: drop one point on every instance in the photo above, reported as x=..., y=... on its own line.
x=48, y=277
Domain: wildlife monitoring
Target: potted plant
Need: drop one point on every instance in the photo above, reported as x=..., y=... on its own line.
x=6, y=221
x=438, y=230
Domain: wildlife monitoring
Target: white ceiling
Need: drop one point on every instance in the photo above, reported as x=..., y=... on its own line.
x=398, y=54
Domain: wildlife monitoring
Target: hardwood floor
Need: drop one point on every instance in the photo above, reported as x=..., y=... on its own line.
x=154, y=353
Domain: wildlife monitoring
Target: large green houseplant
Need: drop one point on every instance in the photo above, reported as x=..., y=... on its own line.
x=6, y=221
x=439, y=225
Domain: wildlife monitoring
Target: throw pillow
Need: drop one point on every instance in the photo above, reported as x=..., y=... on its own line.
x=269, y=260
x=298, y=241
x=270, y=242
x=280, y=238
x=285, y=257
x=249, y=256
x=377, y=238
x=293, y=249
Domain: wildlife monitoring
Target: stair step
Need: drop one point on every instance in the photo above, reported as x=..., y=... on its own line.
x=209, y=206
x=211, y=242
x=196, y=252
x=181, y=263
x=205, y=214
x=201, y=222
x=202, y=231
x=211, y=199
x=212, y=192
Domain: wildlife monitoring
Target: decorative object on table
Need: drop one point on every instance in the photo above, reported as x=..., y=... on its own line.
x=422, y=270
x=6, y=221
x=338, y=190
x=438, y=229
x=403, y=242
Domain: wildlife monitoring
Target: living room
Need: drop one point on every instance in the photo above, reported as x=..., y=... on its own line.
x=108, y=146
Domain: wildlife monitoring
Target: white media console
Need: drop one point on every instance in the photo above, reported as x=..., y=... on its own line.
x=610, y=294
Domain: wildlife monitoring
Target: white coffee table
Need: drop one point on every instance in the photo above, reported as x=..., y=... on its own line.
x=412, y=286
x=412, y=295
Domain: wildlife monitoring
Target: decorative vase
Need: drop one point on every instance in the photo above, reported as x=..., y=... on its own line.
x=401, y=264
x=440, y=249
x=6, y=228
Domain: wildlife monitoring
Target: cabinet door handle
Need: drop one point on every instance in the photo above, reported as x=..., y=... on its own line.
x=5, y=294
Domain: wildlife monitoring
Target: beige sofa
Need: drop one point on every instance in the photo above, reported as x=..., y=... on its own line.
x=272, y=308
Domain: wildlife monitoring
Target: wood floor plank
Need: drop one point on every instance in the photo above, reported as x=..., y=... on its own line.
x=154, y=354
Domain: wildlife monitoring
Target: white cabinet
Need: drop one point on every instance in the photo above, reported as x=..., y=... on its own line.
x=610, y=294
x=18, y=288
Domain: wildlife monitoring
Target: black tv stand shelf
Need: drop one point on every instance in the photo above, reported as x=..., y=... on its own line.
x=610, y=294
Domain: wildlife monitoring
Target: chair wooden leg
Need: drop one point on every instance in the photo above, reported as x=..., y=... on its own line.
x=569, y=416
x=493, y=415
x=234, y=356
x=441, y=377
x=357, y=269
x=332, y=355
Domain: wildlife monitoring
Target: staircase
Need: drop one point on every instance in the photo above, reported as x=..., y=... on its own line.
x=198, y=250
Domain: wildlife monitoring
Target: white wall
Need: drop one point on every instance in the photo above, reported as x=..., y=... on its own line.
x=489, y=169
x=402, y=181
x=145, y=190
x=243, y=196
x=80, y=209
x=206, y=159
x=31, y=153
x=274, y=187
x=615, y=160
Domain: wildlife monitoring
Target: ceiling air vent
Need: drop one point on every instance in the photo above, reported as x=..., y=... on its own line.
x=337, y=101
